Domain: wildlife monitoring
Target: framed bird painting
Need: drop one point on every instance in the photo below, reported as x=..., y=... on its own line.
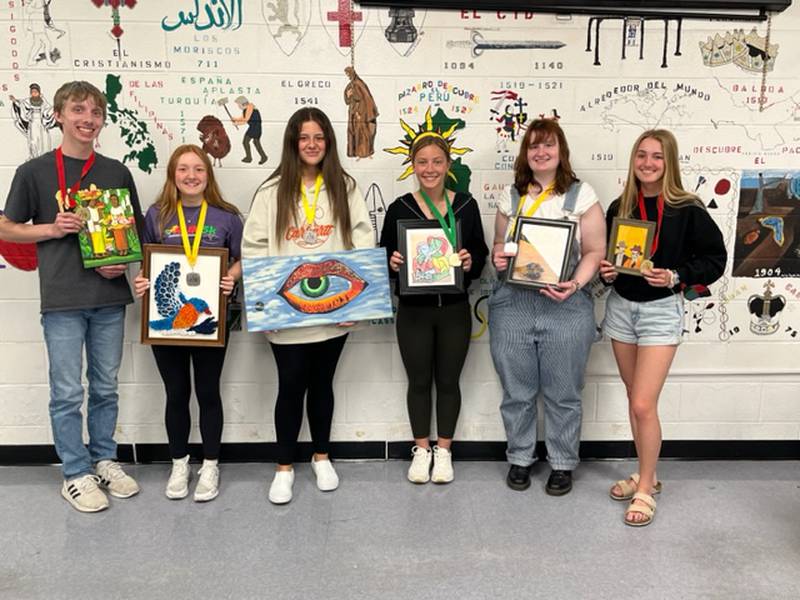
x=184, y=305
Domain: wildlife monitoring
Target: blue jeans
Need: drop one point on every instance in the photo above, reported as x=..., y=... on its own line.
x=65, y=333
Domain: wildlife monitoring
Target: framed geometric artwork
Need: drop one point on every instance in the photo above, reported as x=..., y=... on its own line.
x=543, y=250
x=285, y=292
x=426, y=267
x=630, y=245
x=184, y=306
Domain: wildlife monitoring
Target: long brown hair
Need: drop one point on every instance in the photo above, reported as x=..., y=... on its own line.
x=671, y=184
x=337, y=182
x=167, y=201
x=538, y=131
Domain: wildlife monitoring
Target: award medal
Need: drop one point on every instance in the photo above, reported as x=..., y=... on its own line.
x=449, y=229
x=65, y=197
x=191, y=252
x=647, y=264
x=532, y=210
x=310, y=210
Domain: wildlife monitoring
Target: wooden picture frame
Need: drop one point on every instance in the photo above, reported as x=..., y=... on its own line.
x=425, y=250
x=630, y=244
x=544, y=247
x=190, y=298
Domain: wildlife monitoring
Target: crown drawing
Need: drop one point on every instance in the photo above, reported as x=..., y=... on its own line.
x=747, y=51
x=764, y=310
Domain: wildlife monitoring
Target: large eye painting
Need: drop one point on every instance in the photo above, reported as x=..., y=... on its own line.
x=315, y=288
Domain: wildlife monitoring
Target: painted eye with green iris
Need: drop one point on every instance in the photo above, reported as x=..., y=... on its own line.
x=324, y=287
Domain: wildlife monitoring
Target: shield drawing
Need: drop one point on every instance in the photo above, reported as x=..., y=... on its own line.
x=402, y=28
x=287, y=21
x=344, y=23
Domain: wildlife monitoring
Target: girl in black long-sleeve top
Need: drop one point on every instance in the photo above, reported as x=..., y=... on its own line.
x=433, y=330
x=644, y=315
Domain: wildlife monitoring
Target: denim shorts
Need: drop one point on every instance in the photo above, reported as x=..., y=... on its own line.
x=654, y=323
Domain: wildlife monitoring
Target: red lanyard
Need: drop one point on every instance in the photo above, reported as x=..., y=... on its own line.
x=643, y=215
x=67, y=201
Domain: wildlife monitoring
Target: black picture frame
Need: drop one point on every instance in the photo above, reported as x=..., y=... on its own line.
x=409, y=233
x=544, y=247
x=639, y=234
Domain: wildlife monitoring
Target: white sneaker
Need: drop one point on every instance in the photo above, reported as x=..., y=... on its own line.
x=115, y=480
x=327, y=479
x=84, y=495
x=208, y=483
x=442, y=465
x=420, y=469
x=178, y=484
x=280, y=492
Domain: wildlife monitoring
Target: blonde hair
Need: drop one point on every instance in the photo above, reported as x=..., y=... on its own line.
x=671, y=184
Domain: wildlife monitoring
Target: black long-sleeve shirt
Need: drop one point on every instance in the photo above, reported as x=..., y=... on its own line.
x=467, y=214
x=689, y=243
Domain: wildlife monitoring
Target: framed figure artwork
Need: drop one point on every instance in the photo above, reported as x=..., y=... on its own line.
x=184, y=305
x=431, y=264
x=108, y=236
x=630, y=245
x=286, y=292
x=544, y=247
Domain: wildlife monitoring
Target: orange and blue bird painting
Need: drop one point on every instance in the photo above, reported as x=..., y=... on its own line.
x=178, y=313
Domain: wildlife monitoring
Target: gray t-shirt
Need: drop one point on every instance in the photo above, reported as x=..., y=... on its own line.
x=64, y=283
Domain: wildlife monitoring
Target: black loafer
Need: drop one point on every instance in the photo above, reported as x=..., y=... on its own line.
x=519, y=478
x=559, y=482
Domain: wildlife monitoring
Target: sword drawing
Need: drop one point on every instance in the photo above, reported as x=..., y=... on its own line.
x=478, y=44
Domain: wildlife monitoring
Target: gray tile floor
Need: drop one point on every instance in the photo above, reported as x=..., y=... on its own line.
x=727, y=530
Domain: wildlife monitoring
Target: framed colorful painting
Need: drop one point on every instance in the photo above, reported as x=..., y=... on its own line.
x=630, y=245
x=184, y=305
x=543, y=250
x=428, y=267
x=285, y=292
x=109, y=234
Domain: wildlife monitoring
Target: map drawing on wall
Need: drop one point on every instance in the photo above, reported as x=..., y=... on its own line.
x=214, y=139
x=287, y=21
x=19, y=256
x=477, y=44
x=402, y=28
x=34, y=118
x=39, y=26
x=343, y=23
x=768, y=226
x=508, y=111
x=626, y=41
x=362, y=116
x=133, y=130
x=748, y=52
x=440, y=125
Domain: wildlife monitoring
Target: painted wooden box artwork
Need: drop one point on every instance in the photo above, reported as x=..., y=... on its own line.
x=109, y=233
x=284, y=292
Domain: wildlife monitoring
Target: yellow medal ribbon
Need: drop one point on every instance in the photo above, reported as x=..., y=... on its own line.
x=194, y=250
x=534, y=207
x=311, y=209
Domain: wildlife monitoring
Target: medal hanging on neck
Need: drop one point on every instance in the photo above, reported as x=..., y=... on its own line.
x=310, y=210
x=191, y=252
x=66, y=197
x=647, y=264
x=448, y=229
x=511, y=246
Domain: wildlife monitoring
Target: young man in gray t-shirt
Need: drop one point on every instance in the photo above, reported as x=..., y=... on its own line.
x=81, y=308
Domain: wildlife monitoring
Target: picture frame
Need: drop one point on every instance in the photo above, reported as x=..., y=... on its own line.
x=630, y=244
x=184, y=306
x=322, y=288
x=108, y=235
x=544, y=247
x=425, y=249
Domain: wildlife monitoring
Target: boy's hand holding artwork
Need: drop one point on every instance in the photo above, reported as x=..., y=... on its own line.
x=66, y=223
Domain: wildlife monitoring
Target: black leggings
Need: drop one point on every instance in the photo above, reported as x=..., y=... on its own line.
x=433, y=344
x=173, y=364
x=305, y=368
